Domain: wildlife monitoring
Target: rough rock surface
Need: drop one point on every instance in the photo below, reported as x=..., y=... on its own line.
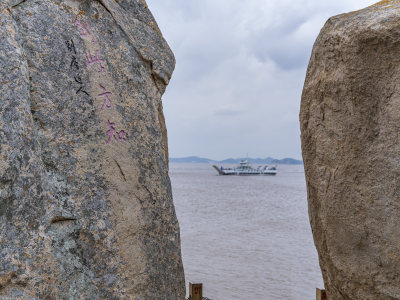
x=350, y=125
x=86, y=210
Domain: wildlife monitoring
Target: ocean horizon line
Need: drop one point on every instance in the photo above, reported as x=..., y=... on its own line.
x=267, y=160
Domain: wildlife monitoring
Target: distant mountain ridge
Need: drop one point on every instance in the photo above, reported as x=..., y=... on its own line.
x=265, y=161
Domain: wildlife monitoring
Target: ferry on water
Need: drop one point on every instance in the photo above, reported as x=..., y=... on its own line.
x=244, y=168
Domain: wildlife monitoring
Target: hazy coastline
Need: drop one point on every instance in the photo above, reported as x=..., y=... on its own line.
x=267, y=160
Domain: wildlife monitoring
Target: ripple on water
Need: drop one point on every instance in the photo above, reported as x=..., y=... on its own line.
x=246, y=238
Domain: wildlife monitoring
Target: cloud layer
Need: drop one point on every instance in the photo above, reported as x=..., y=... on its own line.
x=239, y=74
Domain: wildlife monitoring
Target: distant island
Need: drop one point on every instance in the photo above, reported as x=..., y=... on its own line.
x=264, y=161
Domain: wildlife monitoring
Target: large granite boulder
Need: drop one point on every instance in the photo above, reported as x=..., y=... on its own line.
x=350, y=131
x=86, y=210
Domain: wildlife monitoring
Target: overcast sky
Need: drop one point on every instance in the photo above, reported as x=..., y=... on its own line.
x=239, y=74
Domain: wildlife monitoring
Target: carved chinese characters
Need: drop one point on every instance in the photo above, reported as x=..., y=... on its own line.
x=95, y=61
x=107, y=101
x=74, y=66
x=85, y=212
x=111, y=133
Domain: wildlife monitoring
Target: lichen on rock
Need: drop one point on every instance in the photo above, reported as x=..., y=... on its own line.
x=350, y=116
x=86, y=208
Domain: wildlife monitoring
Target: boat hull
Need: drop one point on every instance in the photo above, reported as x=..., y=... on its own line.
x=252, y=172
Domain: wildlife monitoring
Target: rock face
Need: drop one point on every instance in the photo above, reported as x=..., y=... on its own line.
x=86, y=210
x=350, y=124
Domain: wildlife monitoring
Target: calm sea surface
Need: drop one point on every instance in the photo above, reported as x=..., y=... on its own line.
x=246, y=237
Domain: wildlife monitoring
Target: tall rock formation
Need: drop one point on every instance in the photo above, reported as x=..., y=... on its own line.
x=350, y=131
x=86, y=210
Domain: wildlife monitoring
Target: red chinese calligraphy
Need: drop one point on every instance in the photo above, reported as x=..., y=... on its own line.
x=121, y=136
x=90, y=59
x=85, y=31
x=112, y=133
x=107, y=101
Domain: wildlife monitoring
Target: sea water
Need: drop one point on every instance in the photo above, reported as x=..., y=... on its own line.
x=246, y=237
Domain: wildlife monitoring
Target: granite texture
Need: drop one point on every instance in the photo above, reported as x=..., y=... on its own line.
x=350, y=124
x=86, y=210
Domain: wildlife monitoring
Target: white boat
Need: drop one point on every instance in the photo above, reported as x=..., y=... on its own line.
x=244, y=168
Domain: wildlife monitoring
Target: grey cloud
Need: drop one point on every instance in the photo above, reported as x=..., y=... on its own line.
x=227, y=112
x=239, y=74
